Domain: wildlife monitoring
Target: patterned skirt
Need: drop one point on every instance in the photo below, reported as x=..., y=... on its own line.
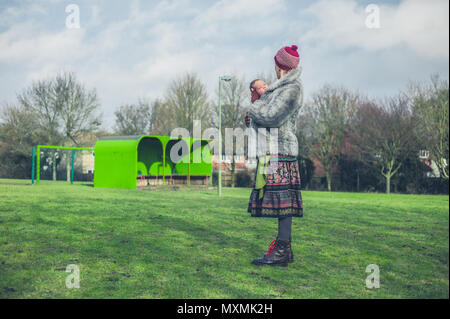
x=281, y=193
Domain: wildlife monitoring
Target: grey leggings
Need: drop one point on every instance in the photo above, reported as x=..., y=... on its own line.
x=284, y=228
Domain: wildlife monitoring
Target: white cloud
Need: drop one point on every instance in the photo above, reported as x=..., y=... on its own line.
x=420, y=25
x=29, y=8
x=259, y=18
x=226, y=10
x=25, y=43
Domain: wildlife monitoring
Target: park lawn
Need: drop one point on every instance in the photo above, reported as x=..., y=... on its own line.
x=193, y=244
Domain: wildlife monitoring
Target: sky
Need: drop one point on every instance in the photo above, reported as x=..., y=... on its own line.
x=129, y=50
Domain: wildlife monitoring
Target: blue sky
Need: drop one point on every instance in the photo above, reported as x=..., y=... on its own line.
x=133, y=49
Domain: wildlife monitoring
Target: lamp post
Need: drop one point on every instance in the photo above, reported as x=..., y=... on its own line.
x=219, y=182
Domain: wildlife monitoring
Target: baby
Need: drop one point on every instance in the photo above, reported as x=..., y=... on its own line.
x=257, y=88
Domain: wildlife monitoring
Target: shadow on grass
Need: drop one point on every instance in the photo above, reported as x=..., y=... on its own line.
x=3, y=182
x=198, y=259
x=86, y=184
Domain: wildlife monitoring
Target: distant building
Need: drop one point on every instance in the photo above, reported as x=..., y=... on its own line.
x=85, y=159
x=87, y=163
x=240, y=162
x=424, y=156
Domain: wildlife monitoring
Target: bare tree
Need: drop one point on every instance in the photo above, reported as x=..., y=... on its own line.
x=78, y=108
x=133, y=119
x=235, y=98
x=431, y=109
x=162, y=121
x=385, y=135
x=39, y=99
x=64, y=109
x=328, y=115
x=304, y=149
x=19, y=131
x=18, y=124
x=186, y=101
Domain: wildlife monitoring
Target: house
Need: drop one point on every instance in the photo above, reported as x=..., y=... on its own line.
x=424, y=156
x=87, y=163
x=240, y=162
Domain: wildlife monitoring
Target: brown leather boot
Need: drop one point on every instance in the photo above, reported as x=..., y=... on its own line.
x=291, y=253
x=278, y=254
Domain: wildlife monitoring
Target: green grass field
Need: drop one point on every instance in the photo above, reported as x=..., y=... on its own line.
x=191, y=244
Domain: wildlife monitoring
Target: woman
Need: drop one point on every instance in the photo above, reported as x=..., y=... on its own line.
x=277, y=192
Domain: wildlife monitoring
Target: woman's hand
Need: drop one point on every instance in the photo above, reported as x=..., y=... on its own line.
x=247, y=120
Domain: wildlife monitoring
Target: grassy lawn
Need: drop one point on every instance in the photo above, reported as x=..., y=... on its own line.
x=191, y=244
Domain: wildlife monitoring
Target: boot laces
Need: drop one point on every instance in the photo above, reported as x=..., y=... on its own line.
x=271, y=247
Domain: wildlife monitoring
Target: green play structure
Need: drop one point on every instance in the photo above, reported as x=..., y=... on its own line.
x=36, y=159
x=128, y=161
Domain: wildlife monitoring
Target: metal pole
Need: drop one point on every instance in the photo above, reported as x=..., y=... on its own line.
x=32, y=165
x=219, y=182
x=164, y=166
x=71, y=172
x=189, y=163
x=38, y=164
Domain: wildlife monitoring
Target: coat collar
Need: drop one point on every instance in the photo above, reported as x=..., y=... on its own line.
x=289, y=78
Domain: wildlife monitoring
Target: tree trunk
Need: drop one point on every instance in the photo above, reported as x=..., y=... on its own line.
x=54, y=166
x=68, y=166
x=233, y=172
x=357, y=181
x=388, y=183
x=329, y=181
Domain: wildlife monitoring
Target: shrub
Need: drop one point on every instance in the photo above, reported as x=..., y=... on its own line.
x=244, y=178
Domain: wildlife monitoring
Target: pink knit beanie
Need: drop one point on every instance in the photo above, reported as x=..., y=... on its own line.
x=287, y=58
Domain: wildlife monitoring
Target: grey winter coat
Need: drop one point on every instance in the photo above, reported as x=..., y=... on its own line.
x=278, y=108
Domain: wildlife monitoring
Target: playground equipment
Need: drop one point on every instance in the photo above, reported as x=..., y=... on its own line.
x=128, y=161
x=36, y=159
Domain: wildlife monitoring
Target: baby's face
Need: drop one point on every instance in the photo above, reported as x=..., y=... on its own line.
x=260, y=87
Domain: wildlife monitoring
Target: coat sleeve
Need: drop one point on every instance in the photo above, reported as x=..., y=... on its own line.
x=274, y=111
